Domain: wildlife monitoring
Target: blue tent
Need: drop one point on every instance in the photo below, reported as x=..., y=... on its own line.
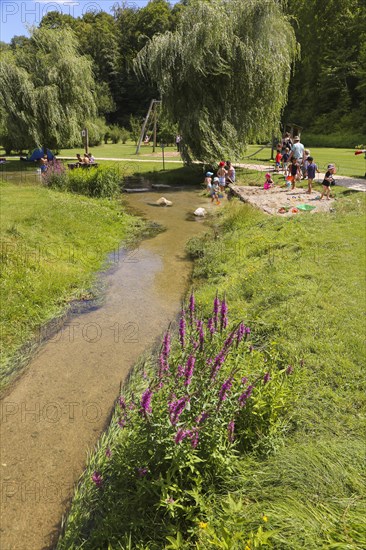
x=38, y=154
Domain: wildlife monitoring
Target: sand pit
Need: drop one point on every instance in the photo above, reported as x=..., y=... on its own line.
x=281, y=201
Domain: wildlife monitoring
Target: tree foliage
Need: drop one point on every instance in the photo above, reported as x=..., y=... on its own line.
x=223, y=74
x=47, y=90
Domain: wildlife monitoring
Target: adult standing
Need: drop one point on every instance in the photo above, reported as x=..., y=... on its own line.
x=298, y=151
x=178, y=139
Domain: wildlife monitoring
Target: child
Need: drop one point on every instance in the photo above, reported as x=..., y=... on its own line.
x=278, y=160
x=304, y=166
x=230, y=176
x=222, y=173
x=268, y=182
x=208, y=179
x=294, y=170
x=285, y=157
x=328, y=181
x=213, y=190
x=311, y=169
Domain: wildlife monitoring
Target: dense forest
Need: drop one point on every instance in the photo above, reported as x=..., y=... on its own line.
x=327, y=77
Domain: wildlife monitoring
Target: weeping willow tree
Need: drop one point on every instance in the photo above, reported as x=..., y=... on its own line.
x=223, y=74
x=46, y=90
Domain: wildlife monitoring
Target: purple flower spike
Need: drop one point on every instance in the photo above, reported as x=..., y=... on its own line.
x=225, y=388
x=217, y=364
x=266, y=378
x=180, y=371
x=244, y=380
x=201, y=334
x=141, y=472
x=146, y=402
x=182, y=434
x=176, y=408
x=216, y=309
x=194, y=439
x=188, y=373
x=182, y=331
x=245, y=395
x=211, y=325
x=247, y=330
x=108, y=452
x=289, y=369
x=223, y=319
x=202, y=417
x=240, y=333
x=166, y=345
x=230, y=431
x=122, y=402
x=97, y=479
x=122, y=422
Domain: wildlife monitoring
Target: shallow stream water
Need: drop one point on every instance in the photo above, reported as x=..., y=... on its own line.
x=56, y=411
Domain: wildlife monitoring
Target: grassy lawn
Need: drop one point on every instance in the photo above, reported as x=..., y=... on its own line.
x=302, y=483
x=52, y=243
x=347, y=163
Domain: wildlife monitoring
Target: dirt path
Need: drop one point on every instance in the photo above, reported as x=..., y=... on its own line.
x=59, y=407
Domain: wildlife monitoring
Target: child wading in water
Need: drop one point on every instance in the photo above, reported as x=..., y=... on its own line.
x=328, y=181
x=268, y=183
x=222, y=173
x=311, y=169
x=213, y=190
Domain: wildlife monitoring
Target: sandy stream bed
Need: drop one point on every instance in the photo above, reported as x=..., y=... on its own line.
x=271, y=200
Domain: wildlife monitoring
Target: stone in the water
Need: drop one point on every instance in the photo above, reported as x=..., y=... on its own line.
x=200, y=212
x=160, y=186
x=164, y=202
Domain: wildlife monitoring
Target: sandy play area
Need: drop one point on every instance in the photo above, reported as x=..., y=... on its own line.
x=283, y=202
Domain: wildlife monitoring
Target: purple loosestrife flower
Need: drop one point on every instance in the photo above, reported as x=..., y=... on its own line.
x=108, y=452
x=166, y=345
x=247, y=330
x=266, y=378
x=97, y=479
x=217, y=364
x=176, y=408
x=202, y=417
x=229, y=340
x=194, y=438
x=244, y=380
x=122, y=422
x=224, y=390
x=201, y=334
x=141, y=472
x=146, y=402
x=240, y=333
x=182, y=330
x=180, y=371
x=223, y=318
x=216, y=308
x=182, y=434
x=230, y=431
x=122, y=402
x=188, y=373
x=289, y=369
x=211, y=326
x=245, y=395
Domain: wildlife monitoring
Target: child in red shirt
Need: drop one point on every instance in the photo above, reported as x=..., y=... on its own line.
x=278, y=161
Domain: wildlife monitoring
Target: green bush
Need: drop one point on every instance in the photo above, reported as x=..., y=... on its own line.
x=92, y=182
x=125, y=135
x=115, y=133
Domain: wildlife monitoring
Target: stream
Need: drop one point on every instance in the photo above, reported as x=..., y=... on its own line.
x=56, y=411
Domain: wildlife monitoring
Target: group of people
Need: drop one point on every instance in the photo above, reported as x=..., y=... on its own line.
x=86, y=159
x=216, y=185
x=297, y=163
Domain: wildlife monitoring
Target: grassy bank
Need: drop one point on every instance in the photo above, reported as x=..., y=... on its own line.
x=294, y=477
x=52, y=243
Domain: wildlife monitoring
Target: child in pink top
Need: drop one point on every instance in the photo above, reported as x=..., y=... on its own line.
x=268, y=182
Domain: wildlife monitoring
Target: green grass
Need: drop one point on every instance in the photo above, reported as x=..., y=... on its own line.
x=347, y=163
x=52, y=243
x=290, y=280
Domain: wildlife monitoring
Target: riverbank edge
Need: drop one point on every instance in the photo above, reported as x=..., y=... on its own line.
x=313, y=441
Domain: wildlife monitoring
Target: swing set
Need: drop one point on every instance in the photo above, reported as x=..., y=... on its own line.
x=149, y=126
